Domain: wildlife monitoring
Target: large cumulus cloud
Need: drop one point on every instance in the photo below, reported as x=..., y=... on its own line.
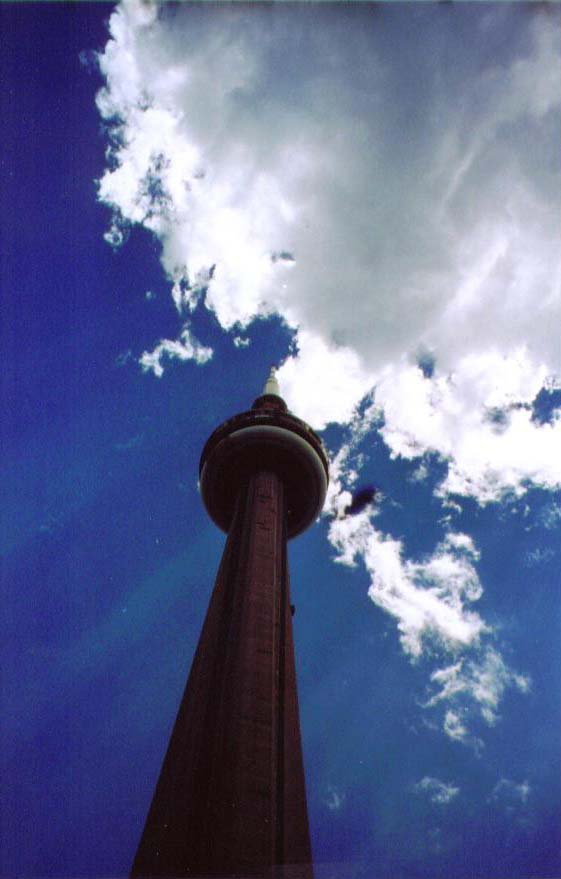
x=387, y=180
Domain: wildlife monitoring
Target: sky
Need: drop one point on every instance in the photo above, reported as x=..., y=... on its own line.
x=368, y=197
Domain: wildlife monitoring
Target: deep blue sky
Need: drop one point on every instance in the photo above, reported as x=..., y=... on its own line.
x=108, y=558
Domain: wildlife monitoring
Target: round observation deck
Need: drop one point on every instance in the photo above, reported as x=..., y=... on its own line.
x=267, y=437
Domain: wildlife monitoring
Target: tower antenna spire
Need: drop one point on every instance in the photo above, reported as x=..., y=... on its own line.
x=272, y=384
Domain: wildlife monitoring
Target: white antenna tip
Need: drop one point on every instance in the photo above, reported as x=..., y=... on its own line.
x=272, y=385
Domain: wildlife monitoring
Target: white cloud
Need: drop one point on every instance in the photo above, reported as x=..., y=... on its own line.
x=479, y=419
x=430, y=600
x=323, y=380
x=314, y=195
x=438, y=791
x=462, y=544
x=337, y=497
x=184, y=348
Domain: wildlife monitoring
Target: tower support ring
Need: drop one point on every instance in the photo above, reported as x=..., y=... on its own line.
x=257, y=441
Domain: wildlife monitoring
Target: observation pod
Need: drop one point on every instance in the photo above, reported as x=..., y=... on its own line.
x=231, y=796
x=267, y=437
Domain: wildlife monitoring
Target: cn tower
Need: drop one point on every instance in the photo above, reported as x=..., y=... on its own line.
x=231, y=800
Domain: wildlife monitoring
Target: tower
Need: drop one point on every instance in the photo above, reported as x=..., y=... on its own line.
x=230, y=799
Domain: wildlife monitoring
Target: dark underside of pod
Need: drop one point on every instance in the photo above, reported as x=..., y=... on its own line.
x=227, y=465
